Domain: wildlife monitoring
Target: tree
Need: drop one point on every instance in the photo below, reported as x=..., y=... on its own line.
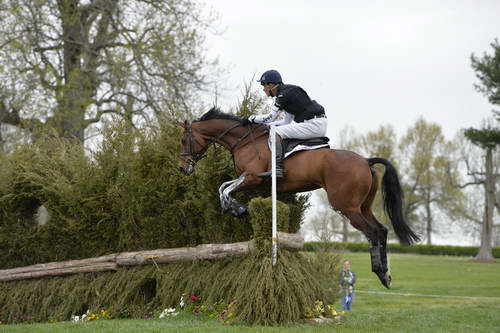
x=65, y=64
x=471, y=211
x=426, y=154
x=487, y=138
x=487, y=71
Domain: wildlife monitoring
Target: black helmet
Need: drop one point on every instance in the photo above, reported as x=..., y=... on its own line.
x=270, y=76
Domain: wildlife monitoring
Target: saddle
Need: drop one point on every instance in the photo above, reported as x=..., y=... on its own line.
x=291, y=146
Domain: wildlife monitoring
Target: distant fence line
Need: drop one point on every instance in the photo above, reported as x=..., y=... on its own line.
x=449, y=250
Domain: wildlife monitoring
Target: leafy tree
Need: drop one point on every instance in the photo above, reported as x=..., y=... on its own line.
x=426, y=154
x=485, y=138
x=487, y=70
x=379, y=143
x=471, y=160
x=65, y=64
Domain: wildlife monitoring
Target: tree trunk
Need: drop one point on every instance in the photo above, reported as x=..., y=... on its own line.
x=345, y=230
x=485, y=251
x=428, y=212
x=2, y=141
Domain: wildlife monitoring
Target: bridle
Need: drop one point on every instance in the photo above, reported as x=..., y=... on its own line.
x=194, y=157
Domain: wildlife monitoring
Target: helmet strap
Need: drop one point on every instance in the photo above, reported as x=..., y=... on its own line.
x=273, y=89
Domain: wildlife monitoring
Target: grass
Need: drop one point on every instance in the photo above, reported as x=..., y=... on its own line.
x=455, y=295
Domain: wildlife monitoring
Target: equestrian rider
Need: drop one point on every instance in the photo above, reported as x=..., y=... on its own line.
x=304, y=118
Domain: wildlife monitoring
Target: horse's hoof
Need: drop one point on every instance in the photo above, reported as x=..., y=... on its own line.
x=238, y=211
x=386, y=279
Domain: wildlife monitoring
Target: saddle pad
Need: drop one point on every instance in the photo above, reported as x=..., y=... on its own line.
x=303, y=147
x=294, y=145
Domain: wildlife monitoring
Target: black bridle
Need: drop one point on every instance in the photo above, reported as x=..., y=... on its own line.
x=194, y=157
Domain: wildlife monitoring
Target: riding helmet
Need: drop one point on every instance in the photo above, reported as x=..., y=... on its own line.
x=270, y=76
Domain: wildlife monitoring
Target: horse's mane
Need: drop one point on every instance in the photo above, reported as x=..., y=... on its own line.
x=216, y=113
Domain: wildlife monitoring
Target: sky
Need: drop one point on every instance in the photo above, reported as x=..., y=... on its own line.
x=368, y=62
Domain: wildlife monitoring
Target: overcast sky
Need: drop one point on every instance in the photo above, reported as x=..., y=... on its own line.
x=367, y=62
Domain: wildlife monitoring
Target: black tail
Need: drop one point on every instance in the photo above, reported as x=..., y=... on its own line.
x=393, y=202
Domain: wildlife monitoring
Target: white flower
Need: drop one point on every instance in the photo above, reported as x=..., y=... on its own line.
x=75, y=318
x=169, y=312
x=181, y=303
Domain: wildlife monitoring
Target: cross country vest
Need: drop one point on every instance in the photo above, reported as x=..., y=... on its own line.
x=293, y=99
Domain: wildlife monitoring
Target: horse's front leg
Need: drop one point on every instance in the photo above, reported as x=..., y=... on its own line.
x=226, y=201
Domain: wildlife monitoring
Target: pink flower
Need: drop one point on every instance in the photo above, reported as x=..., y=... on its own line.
x=196, y=309
x=194, y=298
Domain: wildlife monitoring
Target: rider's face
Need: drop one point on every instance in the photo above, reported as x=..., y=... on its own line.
x=268, y=87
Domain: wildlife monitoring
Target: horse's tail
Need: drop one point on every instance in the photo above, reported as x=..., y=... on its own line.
x=393, y=201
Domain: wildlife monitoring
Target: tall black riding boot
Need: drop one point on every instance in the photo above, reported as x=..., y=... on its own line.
x=280, y=173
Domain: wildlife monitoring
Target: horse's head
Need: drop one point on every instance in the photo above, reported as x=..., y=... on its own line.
x=193, y=148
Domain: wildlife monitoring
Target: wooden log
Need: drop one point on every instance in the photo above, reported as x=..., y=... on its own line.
x=98, y=267
x=200, y=252
x=290, y=241
x=59, y=265
x=161, y=256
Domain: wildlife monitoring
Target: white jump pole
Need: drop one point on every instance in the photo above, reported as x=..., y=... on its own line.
x=274, y=254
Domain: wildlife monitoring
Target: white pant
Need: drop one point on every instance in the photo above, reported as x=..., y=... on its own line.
x=312, y=128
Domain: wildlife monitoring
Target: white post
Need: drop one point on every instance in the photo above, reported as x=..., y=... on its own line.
x=273, y=195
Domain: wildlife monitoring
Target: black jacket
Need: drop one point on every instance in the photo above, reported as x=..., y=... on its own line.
x=294, y=100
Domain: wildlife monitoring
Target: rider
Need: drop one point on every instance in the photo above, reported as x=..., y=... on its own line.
x=304, y=118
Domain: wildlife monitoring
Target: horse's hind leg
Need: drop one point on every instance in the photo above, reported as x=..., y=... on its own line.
x=378, y=247
x=377, y=254
x=378, y=250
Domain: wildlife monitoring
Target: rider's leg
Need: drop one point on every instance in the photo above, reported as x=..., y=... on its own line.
x=280, y=172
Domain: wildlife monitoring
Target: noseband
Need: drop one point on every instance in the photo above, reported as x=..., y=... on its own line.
x=194, y=157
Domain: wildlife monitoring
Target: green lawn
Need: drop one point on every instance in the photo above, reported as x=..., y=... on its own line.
x=454, y=295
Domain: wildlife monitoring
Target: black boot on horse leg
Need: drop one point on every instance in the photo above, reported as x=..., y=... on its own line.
x=379, y=263
x=280, y=172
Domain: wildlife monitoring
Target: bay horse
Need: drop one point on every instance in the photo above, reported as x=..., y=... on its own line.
x=348, y=178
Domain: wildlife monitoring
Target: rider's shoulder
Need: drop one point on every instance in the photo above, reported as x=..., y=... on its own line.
x=286, y=89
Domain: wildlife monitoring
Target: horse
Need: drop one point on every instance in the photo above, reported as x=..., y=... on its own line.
x=348, y=178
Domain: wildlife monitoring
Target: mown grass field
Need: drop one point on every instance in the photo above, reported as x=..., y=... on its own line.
x=429, y=294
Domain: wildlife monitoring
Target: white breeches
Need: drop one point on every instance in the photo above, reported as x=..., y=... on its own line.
x=312, y=128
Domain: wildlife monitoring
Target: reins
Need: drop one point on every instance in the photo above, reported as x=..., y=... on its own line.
x=195, y=157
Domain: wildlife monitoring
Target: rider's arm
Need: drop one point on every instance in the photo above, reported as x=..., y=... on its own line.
x=266, y=118
x=286, y=120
